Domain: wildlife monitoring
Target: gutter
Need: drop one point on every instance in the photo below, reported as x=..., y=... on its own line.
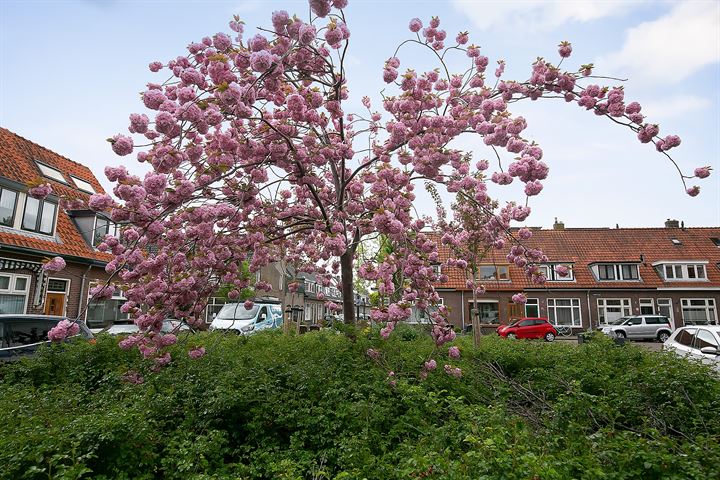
x=73, y=258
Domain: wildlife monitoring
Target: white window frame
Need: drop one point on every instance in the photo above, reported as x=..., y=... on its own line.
x=532, y=301
x=574, y=304
x=91, y=285
x=497, y=272
x=20, y=215
x=617, y=269
x=680, y=269
x=112, y=229
x=12, y=286
x=645, y=302
x=51, y=172
x=668, y=303
x=551, y=275
x=710, y=307
x=437, y=269
x=83, y=185
x=625, y=306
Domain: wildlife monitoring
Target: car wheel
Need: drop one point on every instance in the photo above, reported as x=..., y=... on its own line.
x=621, y=335
x=549, y=337
x=512, y=336
x=663, y=336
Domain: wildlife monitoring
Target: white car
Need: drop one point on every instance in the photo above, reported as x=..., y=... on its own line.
x=169, y=325
x=234, y=317
x=701, y=342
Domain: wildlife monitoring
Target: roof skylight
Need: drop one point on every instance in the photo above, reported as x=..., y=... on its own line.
x=82, y=184
x=51, y=172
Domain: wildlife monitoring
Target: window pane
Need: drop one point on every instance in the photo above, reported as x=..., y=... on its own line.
x=26, y=333
x=51, y=173
x=700, y=271
x=669, y=273
x=21, y=284
x=678, y=271
x=7, y=207
x=629, y=272
x=47, y=221
x=487, y=272
x=32, y=205
x=686, y=337
x=4, y=283
x=56, y=285
x=691, y=271
x=101, y=228
x=83, y=185
x=503, y=273
x=12, y=303
x=705, y=339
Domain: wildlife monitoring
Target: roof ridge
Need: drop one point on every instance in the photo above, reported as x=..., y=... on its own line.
x=50, y=151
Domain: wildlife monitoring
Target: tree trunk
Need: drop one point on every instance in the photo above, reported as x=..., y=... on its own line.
x=348, y=287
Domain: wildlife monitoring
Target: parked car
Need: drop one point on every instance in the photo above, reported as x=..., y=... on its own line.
x=236, y=318
x=529, y=327
x=128, y=328
x=640, y=327
x=21, y=335
x=697, y=342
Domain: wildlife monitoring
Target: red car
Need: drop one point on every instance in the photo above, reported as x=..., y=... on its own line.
x=529, y=328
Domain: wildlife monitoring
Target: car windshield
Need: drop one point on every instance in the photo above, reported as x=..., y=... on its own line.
x=619, y=321
x=514, y=324
x=237, y=311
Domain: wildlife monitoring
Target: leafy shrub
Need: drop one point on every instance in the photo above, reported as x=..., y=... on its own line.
x=316, y=406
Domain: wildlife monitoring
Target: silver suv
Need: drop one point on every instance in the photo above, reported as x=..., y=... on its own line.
x=640, y=327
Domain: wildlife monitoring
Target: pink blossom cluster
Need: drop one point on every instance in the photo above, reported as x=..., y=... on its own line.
x=54, y=265
x=453, y=371
x=64, y=329
x=40, y=191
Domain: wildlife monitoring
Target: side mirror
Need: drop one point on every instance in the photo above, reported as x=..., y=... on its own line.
x=710, y=351
x=214, y=315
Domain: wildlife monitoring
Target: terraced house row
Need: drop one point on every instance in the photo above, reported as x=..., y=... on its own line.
x=614, y=272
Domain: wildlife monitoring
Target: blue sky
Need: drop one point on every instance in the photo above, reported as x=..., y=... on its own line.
x=71, y=71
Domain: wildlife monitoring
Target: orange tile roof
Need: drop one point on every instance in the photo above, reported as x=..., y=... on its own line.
x=18, y=157
x=585, y=246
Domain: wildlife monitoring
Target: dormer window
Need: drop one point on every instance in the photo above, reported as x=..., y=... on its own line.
x=51, y=172
x=83, y=185
x=618, y=272
x=39, y=216
x=103, y=227
x=494, y=272
x=551, y=275
x=683, y=272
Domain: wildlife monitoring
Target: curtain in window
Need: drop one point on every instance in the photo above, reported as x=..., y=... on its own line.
x=12, y=304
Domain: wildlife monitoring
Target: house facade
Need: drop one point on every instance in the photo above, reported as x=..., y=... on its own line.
x=612, y=273
x=33, y=231
x=307, y=302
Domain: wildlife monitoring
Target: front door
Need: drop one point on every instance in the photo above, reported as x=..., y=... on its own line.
x=515, y=312
x=55, y=304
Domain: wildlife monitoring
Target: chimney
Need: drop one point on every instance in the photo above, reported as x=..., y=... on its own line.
x=558, y=225
x=672, y=223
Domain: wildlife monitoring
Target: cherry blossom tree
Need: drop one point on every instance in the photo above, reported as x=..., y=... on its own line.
x=255, y=159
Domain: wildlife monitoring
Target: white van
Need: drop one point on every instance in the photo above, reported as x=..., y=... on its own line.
x=236, y=318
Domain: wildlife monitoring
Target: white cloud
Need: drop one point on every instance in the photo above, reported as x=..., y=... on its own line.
x=671, y=48
x=675, y=106
x=536, y=15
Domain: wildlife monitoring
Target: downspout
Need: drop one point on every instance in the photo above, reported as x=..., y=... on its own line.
x=82, y=291
x=590, y=324
x=462, y=309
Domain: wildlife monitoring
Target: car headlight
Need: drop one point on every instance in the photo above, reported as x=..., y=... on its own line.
x=248, y=328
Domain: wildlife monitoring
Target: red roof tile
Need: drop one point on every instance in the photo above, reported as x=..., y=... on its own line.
x=18, y=164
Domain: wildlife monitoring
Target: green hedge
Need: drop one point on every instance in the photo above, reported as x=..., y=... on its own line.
x=316, y=406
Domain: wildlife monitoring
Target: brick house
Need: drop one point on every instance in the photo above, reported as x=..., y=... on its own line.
x=32, y=231
x=670, y=271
